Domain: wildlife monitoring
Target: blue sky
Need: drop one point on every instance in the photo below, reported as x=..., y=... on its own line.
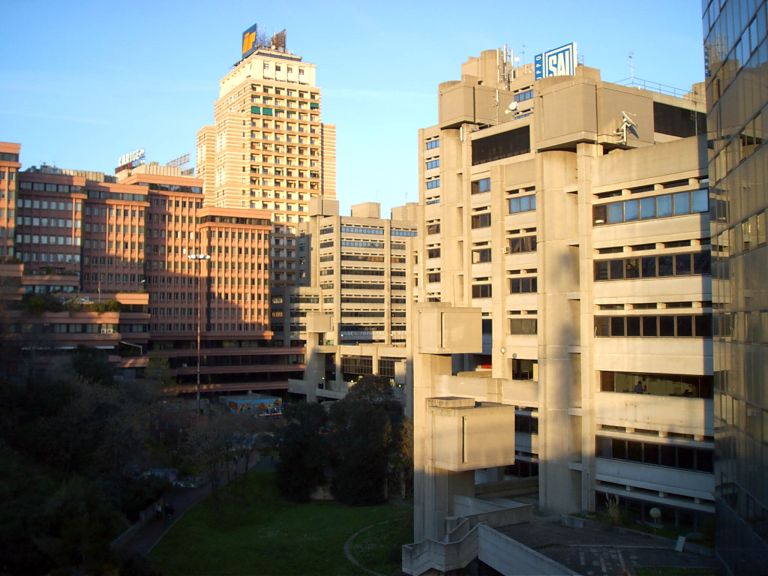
x=84, y=81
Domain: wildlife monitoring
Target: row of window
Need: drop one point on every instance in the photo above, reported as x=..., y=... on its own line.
x=356, y=244
x=42, y=187
x=657, y=384
x=47, y=204
x=50, y=258
x=47, y=222
x=699, y=459
x=662, y=206
x=524, y=95
x=650, y=326
x=653, y=266
x=361, y=230
x=55, y=240
x=124, y=196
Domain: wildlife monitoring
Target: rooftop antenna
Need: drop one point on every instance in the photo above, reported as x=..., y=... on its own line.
x=631, y=62
x=505, y=68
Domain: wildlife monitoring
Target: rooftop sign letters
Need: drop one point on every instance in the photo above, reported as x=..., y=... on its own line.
x=556, y=62
x=133, y=158
x=249, y=40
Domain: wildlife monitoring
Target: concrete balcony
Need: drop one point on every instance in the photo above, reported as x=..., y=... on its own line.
x=664, y=481
x=466, y=435
x=483, y=388
x=675, y=414
x=660, y=355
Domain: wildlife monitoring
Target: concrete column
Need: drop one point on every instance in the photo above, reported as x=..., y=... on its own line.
x=586, y=156
x=558, y=332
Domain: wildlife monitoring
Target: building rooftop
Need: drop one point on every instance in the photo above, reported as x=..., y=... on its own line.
x=594, y=548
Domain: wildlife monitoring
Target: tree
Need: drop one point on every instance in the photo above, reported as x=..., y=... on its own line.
x=402, y=459
x=303, y=451
x=92, y=364
x=158, y=370
x=361, y=439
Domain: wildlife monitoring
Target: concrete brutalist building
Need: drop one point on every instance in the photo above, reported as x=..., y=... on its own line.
x=562, y=340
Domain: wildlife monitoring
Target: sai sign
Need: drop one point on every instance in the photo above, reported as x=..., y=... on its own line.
x=556, y=62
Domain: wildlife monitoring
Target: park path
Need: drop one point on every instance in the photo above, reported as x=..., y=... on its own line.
x=146, y=537
x=351, y=540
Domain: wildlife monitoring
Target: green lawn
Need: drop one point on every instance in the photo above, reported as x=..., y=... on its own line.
x=254, y=531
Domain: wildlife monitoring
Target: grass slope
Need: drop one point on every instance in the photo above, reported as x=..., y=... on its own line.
x=250, y=529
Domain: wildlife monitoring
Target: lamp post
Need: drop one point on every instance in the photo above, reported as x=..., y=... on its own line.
x=198, y=257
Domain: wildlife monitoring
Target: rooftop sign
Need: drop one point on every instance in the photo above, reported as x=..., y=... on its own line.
x=249, y=40
x=133, y=158
x=556, y=62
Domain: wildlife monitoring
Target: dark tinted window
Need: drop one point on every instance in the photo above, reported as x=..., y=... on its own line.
x=505, y=145
x=677, y=121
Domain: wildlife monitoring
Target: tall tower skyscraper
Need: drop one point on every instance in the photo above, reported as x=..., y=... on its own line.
x=736, y=46
x=267, y=148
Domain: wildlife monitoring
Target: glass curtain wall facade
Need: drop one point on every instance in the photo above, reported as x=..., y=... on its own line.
x=736, y=51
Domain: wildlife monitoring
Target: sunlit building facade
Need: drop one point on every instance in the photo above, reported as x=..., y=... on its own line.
x=565, y=243
x=736, y=45
x=269, y=150
x=9, y=167
x=351, y=310
x=134, y=264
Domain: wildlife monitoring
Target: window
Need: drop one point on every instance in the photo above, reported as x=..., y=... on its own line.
x=522, y=244
x=433, y=183
x=682, y=203
x=432, y=164
x=523, y=326
x=631, y=210
x=522, y=285
x=664, y=206
x=677, y=121
x=433, y=228
x=482, y=185
x=522, y=204
x=504, y=145
x=432, y=144
x=481, y=291
x=480, y=256
x=481, y=220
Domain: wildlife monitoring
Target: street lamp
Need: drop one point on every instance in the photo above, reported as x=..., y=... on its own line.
x=198, y=257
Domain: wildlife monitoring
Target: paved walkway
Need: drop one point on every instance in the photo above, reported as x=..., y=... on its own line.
x=146, y=537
